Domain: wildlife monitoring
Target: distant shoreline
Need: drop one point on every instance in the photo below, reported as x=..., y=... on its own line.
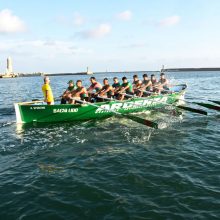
x=190, y=69
x=116, y=72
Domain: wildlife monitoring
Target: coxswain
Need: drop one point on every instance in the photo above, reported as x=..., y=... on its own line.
x=146, y=86
x=79, y=93
x=126, y=87
x=106, y=91
x=116, y=86
x=47, y=91
x=67, y=94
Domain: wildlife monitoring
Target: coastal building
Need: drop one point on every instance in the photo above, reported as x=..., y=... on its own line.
x=9, y=70
x=88, y=72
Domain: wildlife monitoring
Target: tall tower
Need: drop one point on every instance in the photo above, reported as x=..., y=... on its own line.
x=9, y=66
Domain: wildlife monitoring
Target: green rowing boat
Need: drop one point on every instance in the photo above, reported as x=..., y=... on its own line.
x=29, y=112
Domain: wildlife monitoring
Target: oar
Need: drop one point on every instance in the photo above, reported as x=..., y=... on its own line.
x=210, y=100
x=205, y=105
x=199, y=111
x=131, y=117
x=216, y=102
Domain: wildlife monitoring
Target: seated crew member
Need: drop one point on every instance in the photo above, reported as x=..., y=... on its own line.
x=95, y=86
x=47, y=91
x=106, y=90
x=126, y=87
x=116, y=86
x=146, y=86
x=79, y=93
x=136, y=81
x=163, y=82
x=67, y=94
x=154, y=84
x=137, y=87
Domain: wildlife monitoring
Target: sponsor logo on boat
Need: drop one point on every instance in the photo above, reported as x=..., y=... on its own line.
x=65, y=110
x=131, y=105
x=37, y=107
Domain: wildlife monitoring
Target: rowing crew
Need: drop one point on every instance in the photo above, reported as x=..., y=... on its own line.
x=117, y=90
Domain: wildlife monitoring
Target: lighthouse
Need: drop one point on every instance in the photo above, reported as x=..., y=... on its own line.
x=9, y=69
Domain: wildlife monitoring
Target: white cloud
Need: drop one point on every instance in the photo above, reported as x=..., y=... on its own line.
x=78, y=19
x=125, y=15
x=99, y=32
x=41, y=48
x=10, y=23
x=170, y=21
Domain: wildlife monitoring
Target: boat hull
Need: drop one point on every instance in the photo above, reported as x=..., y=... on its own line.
x=40, y=113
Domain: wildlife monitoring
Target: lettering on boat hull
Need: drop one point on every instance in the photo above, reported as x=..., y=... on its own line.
x=131, y=105
x=65, y=110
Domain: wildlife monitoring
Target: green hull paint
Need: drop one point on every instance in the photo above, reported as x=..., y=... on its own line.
x=29, y=113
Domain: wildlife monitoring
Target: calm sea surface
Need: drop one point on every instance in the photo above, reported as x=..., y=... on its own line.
x=114, y=168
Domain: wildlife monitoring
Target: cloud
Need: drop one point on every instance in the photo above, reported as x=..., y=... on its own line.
x=42, y=48
x=125, y=15
x=10, y=23
x=101, y=31
x=78, y=19
x=74, y=20
x=169, y=21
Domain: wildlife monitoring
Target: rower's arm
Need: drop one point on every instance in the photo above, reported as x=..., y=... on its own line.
x=147, y=85
x=125, y=88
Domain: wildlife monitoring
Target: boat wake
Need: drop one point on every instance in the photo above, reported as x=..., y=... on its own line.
x=7, y=123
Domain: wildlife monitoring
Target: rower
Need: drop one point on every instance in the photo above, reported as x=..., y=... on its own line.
x=67, y=94
x=137, y=87
x=154, y=84
x=136, y=81
x=94, y=87
x=106, y=91
x=116, y=86
x=79, y=93
x=47, y=91
x=163, y=82
x=146, y=85
x=125, y=87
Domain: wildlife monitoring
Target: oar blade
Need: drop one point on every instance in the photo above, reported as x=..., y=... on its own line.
x=142, y=121
x=216, y=102
x=199, y=111
x=206, y=105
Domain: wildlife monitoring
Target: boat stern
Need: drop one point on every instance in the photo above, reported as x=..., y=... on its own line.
x=18, y=113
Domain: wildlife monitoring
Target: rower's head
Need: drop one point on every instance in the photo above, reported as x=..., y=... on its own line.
x=79, y=83
x=124, y=79
x=162, y=75
x=46, y=80
x=115, y=79
x=135, y=77
x=71, y=83
x=92, y=79
x=145, y=76
x=153, y=77
x=105, y=81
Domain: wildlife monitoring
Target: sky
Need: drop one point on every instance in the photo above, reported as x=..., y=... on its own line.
x=56, y=36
